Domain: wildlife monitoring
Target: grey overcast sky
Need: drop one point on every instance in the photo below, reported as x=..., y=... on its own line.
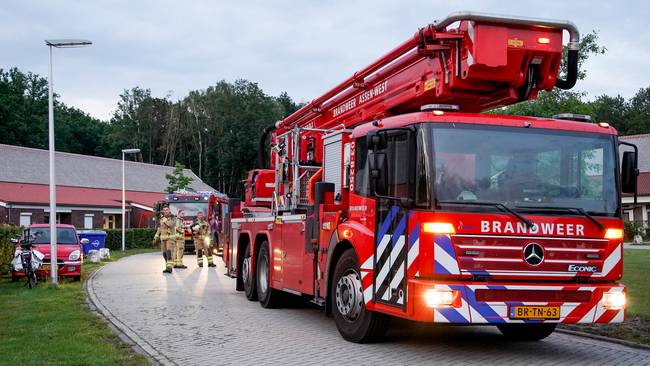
x=301, y=47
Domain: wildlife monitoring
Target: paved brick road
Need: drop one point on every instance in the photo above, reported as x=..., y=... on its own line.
x=195, y=317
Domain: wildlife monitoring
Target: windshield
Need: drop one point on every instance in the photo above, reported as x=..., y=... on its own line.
x=524, y=167
x=191, y=209
x=42, y=235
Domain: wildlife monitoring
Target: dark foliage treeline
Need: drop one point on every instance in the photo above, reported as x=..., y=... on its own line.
x=213, y=131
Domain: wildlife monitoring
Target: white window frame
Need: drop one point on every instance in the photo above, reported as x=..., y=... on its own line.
x=86, y=217
x=27, y=216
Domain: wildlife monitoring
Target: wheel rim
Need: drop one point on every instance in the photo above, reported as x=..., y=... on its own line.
x=245, y=270
x=264, y=275
x=349, y=295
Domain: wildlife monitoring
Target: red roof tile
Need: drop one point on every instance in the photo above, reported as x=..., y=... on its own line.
x=25, y=193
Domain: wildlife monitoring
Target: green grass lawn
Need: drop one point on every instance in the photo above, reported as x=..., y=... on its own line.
x=636, y=268
x=55, y=326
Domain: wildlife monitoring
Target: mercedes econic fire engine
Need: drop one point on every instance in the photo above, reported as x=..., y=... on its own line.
x=392, y=196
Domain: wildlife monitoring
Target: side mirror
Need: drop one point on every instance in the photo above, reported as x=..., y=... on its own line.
x=85, y=241
x=376, y=140
x=378, y=171
x=629, y=172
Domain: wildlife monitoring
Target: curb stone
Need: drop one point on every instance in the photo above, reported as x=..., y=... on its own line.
x=124, y=332
x=604, y=338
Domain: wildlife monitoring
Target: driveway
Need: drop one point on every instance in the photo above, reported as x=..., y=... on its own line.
x=195, y=316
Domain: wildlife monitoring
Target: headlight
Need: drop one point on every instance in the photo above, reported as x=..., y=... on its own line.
x=440, y=298
x=614, y=300
x=74, y=255
x=206, y=240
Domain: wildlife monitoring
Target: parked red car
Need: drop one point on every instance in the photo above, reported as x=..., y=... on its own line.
x=69, y=251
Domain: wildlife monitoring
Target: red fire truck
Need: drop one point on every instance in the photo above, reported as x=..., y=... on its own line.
x=213, y=205
x=390, y=196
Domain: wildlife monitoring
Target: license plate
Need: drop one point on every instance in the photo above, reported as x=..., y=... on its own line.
x=45, y=267
x=535, y=312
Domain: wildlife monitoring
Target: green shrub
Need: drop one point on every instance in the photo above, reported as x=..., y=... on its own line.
x=633, y=228
x=134, y=238
x=6, y=247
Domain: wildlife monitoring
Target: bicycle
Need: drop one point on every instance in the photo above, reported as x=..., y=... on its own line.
x=30, y=261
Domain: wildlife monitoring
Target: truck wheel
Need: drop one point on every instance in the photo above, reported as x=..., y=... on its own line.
x=250, y=287
x=354, y=322
x=268, y=296
x=526, y=332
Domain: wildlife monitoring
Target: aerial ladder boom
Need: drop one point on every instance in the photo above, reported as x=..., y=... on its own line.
x=474, y=61
x=486, y=62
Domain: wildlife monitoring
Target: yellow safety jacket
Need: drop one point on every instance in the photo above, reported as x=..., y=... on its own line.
x=201, y=230
x=167, y=229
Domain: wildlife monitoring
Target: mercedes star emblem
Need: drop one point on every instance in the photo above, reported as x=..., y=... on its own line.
x=534, y=254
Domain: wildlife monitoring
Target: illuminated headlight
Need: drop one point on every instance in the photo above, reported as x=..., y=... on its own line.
x=206, y=240
x=74, y=255
x=614, y=300
x=439, y=298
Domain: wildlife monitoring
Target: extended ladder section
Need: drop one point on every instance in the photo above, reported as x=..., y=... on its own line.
x=485, y=61
x=473, y=60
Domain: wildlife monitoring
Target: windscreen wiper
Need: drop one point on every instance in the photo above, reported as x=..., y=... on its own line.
x=498, y=205
x=567, y=209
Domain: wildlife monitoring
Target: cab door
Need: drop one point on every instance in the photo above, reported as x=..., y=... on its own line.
x=391, y=158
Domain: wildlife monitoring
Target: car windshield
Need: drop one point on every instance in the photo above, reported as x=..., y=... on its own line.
x=42, y=235
x=190, y=209
x=524, y=167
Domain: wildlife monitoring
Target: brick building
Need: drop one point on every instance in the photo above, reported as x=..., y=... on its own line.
x=89, y=189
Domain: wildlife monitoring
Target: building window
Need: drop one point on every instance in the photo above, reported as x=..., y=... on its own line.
x=88, y=221
x=108, y=222
x=46, y=218
x=25, y=219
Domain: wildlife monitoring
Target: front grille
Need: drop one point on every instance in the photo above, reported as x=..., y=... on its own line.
x=503, y=255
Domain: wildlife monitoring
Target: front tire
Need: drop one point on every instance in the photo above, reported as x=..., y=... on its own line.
x=248, y=275
x=354, y=322
x=526, y=332
x=268, y=296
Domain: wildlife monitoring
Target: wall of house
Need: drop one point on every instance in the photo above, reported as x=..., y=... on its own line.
x=13, y=215
x=3, y=215
x=141, y=218
x=77, y=218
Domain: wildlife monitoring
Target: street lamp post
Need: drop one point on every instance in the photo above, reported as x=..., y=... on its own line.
x=124, y=152
x=58, y=43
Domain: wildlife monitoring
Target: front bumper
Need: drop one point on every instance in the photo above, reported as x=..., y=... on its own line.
x=588, y=307
x=66, y=269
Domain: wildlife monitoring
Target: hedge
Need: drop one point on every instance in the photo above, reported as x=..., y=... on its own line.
x=134, y=238
x=6, y=247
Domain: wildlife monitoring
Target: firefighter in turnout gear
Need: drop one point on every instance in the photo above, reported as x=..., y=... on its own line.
x=180, y=240
x=201, y=234
x=166, y=234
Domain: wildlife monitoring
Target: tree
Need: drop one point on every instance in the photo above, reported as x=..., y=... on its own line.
x=24, y=112
x=177, y=180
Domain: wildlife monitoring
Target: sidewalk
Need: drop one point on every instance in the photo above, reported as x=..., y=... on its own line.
x=633, y=246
